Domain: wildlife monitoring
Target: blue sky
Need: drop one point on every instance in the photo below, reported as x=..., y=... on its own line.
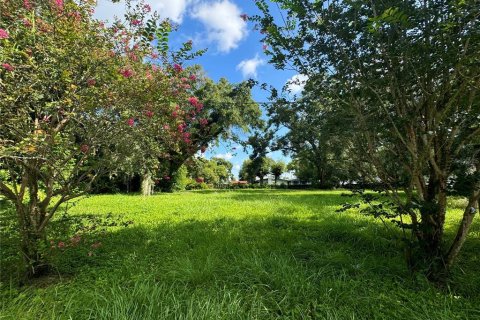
x=234, y=49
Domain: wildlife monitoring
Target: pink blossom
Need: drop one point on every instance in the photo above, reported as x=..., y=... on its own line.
x=131, y=122
x=27, y=23
x=147, y=8
x=154, y=55
x=149, y=113
x=84, y=148
x=8, y=67
x=136, y=22
x=127, y=73
x=199, y=107
x=199, y=180
x=148, y=75
x=186, y=86
x=180, y=128
x=183, y=79
x=187, y=141
x=193, y=101
x=166, y=127
x=59, y=4
x=132, y=56
x=3, y=34
x=244, y=17
x=193, y=77
x=174, y=114
x=203, y=122
x=27, y=5
x=91, y=82
x=186, y=135
x=61, y=244
x=155, y=68
x=178, y=68
x=76, y=15
x=264, y=47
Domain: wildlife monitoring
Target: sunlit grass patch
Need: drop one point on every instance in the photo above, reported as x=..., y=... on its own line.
x=249, y=254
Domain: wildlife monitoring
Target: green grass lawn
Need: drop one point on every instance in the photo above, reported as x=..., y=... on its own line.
x=250, y=254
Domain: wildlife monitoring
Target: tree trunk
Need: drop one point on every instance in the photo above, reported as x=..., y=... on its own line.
x=33, y=243
x=167, y=184
x=431, y=228
x=147, y=184
x=462, y=232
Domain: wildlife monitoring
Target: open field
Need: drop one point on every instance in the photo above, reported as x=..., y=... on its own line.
x=247, y=254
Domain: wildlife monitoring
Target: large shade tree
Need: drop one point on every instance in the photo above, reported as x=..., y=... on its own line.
x=409, y=72
x=221, y=108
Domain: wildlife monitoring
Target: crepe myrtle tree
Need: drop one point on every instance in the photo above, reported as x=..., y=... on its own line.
x=409, y=72
x=63, y=104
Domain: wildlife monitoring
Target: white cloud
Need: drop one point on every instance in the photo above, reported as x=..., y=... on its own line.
x=226, y=156
x=296, y=83
x=172, y=9
x=249, y=67
x=237, y=167
x=175, y=10
x=224, y=25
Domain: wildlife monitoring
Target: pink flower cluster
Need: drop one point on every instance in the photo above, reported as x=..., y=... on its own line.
x=149, y=113
x=127, y=73
x=3, y=34
x=203, y=122
x=59, y=4
x=181, y=127
x=195, y=103
x=8, y=67
x=131, y=122
x=178, y=68
x=76, y=15
x=27, y=5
